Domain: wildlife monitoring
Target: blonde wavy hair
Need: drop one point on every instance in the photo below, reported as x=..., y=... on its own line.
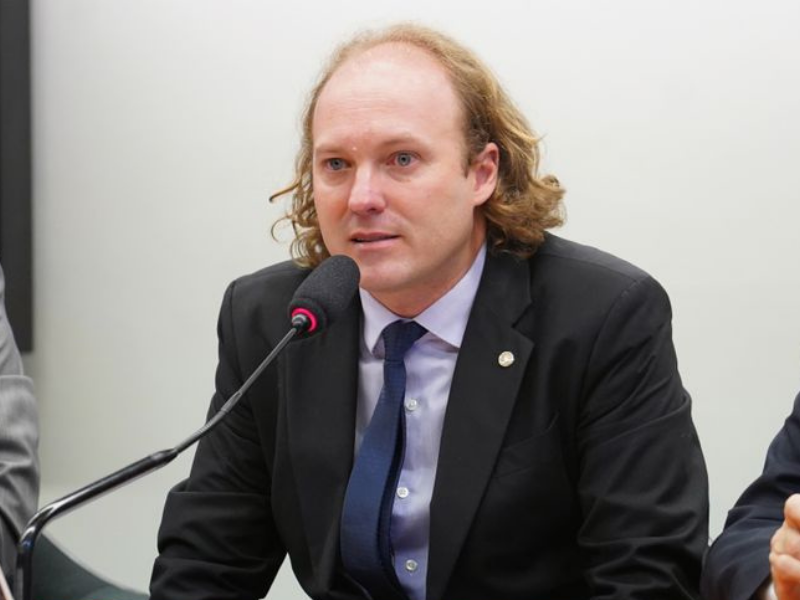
x=522, y=206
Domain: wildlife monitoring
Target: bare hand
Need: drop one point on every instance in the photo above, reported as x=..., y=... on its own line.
x=784, y=556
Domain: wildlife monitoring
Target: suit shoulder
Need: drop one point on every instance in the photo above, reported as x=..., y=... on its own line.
x=270, y=288
x=581, y=258
x=282, y=274
x=563, y=268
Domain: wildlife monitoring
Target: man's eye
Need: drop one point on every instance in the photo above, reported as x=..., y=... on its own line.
x=403, y=159
x=335, y=164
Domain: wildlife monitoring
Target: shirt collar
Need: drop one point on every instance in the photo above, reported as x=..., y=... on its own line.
x=446, y=318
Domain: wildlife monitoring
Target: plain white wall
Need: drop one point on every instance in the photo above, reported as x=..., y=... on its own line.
x=161, y=127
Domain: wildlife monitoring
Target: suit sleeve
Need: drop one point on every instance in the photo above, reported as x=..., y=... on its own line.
x=642, y=481
x=738, y=562
x=19, y=437
x=217, y=538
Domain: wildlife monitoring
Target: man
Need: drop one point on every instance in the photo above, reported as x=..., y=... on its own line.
x=545, y=447
x=19, y=436
x=757, y=556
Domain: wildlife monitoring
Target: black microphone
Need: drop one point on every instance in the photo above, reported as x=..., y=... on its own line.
x=324, y=295
x=318, y=301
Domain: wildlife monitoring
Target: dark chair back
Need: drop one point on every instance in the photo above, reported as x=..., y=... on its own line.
x=56, y=576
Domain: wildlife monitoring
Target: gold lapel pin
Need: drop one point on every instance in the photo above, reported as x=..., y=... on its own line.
x=506, y=359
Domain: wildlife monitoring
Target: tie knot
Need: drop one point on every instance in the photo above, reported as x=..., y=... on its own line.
x=399, y=336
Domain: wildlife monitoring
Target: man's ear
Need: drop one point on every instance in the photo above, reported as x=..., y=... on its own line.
x=485, y=167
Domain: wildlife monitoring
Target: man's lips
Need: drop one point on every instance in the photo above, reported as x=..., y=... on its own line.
x=371, y=237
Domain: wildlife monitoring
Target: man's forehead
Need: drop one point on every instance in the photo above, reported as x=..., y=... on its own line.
x=390, y=80
x=390, y=54
x=385, y=66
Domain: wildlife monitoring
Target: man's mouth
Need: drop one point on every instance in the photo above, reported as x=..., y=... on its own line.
x=368, y=238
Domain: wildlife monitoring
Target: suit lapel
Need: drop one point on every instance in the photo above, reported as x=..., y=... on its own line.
x=482, y=397
x=321, y=391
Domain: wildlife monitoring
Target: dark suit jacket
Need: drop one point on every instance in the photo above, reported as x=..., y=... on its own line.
x=738, y=562
x=574, y=473
x=19, y=438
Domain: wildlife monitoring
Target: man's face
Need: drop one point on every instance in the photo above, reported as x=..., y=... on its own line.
x=391, y=188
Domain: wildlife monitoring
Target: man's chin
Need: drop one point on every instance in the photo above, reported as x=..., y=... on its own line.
x=376, y=286
x=381, y=281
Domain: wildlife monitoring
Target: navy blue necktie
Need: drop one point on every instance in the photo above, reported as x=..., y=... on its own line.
x=365, y=542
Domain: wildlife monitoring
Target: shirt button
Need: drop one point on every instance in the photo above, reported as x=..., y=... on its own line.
x=402, y=492
x=411, y=404
x=411, y=565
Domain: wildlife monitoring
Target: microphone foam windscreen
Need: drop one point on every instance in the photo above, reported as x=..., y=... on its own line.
x=327, y=291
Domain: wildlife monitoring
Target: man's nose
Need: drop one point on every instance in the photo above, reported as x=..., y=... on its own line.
x=366, y=196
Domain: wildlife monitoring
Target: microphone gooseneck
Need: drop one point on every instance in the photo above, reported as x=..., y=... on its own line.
x=318, y=302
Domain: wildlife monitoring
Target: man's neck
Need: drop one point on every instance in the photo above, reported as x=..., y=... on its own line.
x=446, y=318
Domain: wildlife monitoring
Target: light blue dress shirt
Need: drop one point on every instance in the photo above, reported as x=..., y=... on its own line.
x=429, y=366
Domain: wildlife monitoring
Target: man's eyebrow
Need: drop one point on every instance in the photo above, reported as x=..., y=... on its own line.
x=326, y=148
x=398, y=140
x=403, y=139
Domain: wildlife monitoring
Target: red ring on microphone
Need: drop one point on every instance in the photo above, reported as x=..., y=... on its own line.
x=307, y=313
